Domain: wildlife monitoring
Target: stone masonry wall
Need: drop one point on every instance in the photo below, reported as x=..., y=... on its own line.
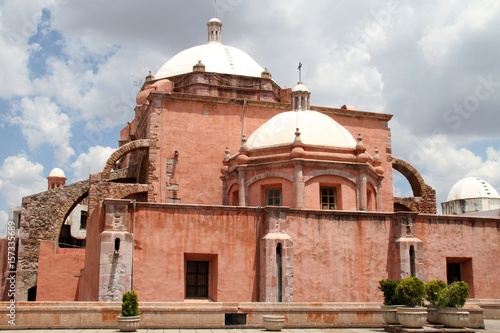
x=43, y=215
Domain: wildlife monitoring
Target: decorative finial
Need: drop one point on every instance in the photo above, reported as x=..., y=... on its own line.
x=376, y=157
x=244, y=145
x=149, y=77
x=360, y=142
x=297, y=136
x=300, y=71
x=227, y=156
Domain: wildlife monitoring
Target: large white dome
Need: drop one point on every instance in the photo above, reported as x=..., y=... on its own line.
x=315, y=129
x=472, y=187
x=214, y=55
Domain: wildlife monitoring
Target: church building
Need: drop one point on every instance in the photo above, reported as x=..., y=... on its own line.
x=227, y=187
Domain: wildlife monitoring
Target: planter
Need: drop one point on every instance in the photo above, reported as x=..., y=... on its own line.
x=454, y=317
x=128, y=323
x=432, y=314
x=412, y=317
x=273, y=322
x=390, y=314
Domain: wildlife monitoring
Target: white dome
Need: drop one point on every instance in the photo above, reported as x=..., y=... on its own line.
x=472, y=187
x=300, y=87
x=216, y=57
x=56, y=172
x=315, y=129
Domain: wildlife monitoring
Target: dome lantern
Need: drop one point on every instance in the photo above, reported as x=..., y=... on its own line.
x=214, y=30
x=300, y=97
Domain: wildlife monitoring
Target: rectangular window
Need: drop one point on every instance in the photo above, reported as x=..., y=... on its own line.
x=83, y=220
x=197, y=279
x=273, y=196
x=328, y=197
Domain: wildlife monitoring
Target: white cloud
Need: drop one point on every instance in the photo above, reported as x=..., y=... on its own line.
x=91, y=162
x=20, y=177
x=448, y=27
x=4, y=217
x=43, y=122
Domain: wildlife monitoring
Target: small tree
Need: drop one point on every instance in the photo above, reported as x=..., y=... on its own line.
x=388, y=288
x=432, y=290
x=453, y=296
x=130, y=306
x=411, y=291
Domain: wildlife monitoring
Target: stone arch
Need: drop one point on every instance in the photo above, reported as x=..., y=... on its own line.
x=411, y=174
x=330, y=172
x=268, y=175
x=120, y=152
x=424, y=196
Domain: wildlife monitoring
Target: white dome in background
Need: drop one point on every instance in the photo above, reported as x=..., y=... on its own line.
x=56, y=172
x=472, y=187
x=315, y=129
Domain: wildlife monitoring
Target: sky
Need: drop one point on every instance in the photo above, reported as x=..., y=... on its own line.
x=71, y=71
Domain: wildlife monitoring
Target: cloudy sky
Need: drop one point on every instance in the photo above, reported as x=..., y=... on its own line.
x=71, y=70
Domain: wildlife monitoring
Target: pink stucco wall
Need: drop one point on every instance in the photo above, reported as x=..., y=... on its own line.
x=89, y=282
x=199, y=131
x=165, y=236
x=461, y=238
x=57, y=268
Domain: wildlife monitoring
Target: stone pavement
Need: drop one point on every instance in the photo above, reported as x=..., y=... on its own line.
x=492, y=326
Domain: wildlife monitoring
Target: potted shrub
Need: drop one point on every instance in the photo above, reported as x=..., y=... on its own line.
x=432, y=290
x=410, y=292
x=389, y=309
x=451, y=301
x=130, y=315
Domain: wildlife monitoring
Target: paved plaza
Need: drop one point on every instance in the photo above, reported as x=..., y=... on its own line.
x=492, y=326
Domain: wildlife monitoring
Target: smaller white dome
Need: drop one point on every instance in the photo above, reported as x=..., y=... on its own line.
x=315, y=129
x=472, y=187
x=215, y=19
x=56, y=172
x=300, y=87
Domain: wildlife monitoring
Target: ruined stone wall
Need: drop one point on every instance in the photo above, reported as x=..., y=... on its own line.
x=424, y=196
x=43, y=215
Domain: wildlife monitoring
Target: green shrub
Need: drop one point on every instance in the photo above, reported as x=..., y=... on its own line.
x=130, y=306
x=411, y=291
x=388, y=288
x=432, y=289
x=453, y=296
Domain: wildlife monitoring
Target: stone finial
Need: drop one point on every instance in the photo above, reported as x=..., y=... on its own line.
x=266, y=75
x=376, y=157
x=297, y=136
x=149, y=77
x=244, y=145
x=360, y=142
x=227, y=156
x=199, y=67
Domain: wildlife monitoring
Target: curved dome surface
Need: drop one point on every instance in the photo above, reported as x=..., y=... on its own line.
x=315, y=129
x=472, y=187
x=216, y=57
x=56, y=172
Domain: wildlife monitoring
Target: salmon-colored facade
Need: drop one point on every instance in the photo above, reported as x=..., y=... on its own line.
x=228, y=188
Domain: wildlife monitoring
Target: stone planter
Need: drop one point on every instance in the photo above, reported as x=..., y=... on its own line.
x=432, y=315
x=390, y=314
x=128, y=323
x=412, y=317
x=273, y=322
x=454, y=317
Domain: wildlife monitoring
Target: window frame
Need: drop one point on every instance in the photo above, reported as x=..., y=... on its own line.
x=335, y=197
x=267, y=190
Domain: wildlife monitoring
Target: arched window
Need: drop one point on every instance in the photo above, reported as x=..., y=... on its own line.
x=412, y=261
x=117, y=245
x=279, y=273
